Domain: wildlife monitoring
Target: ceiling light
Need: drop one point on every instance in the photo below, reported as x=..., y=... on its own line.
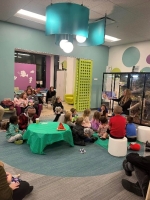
x=80, y=39
x=68, y=47
x=109, y=38
x=62, y=43
x=31, y=16
x=23, y=54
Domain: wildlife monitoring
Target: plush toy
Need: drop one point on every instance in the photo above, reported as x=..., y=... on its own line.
x=58, y=110
x=88, y=131
x=134, y=146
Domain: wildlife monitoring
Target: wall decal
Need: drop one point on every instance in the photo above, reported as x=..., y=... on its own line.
x=116, y=70
x=145, y=69
x=30, y=80
x=23, y=74
x=131, y=56
x=15, y=77
x=32, y=72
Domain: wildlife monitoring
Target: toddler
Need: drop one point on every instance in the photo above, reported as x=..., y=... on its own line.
x=79, y=136
x=103, y=128
x=117, y=124
x=95, y=121
x=68, y=120
x=58, y=108
x=130, y=130
x=13, y=134
x=103, y=110
x=74, y=114
x=86, y=121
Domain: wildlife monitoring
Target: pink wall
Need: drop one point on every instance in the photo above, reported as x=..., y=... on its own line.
x=24, y=75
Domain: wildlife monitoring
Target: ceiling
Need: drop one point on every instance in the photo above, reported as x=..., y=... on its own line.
x=132, y=17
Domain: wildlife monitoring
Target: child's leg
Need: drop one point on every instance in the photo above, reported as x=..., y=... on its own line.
x=14, y=138
x=105, y=135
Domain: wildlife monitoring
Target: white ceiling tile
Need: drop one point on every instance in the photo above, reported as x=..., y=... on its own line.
x=95, y=15
x=36, y=8
x=128, y=3
x=27, y=23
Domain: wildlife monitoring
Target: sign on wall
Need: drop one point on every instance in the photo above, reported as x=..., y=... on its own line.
x=24, y=75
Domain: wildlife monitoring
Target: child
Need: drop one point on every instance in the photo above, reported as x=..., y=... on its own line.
x=117, y=124
x=13, y=133
x=74, y=114
x=68, y=120
x=103, y=110
x=28, y=117
x=86, y=121
x=58, y=108
x=130, y=130
x=95, y=121
x=21, y=102
x=22, y=187
x=103, y=128
x=79, y=136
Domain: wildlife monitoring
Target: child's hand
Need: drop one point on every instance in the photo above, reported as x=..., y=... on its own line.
x=9, y=177
x=14, y=186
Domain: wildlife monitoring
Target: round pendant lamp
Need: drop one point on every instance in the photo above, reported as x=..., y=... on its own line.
x=80, y=39
x=68, y=47
x=62, y=43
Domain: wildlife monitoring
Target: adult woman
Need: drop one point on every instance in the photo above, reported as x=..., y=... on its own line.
x=103, y=110
x=125, y=101
x=51, y=95
x=33, y=99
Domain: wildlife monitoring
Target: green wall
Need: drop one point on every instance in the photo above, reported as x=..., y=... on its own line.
x=13, y=36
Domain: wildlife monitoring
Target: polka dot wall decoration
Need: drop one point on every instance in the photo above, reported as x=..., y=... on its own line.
x=131, y=56
x=115, y=70
x=145, y=69
x=148, y=59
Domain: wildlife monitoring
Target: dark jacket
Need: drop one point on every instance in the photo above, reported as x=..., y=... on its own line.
x=56, y=104
x=50, y=94
x=24, y=120
x=5, y=191
x=125, y=106
x=78, y=135
x=140, y=162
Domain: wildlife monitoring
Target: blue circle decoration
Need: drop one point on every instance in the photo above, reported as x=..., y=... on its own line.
x=131, y=56
x=145, y=69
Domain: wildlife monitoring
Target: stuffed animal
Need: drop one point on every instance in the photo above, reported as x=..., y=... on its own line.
x=58, y=110
x=134, y=146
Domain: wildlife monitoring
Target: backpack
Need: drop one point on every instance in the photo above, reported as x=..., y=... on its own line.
x=7, y=104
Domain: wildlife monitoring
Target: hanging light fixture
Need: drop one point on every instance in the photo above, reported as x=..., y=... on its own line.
x=62, y=43
x=68, y=47
x=80, y=39
x=69, y=20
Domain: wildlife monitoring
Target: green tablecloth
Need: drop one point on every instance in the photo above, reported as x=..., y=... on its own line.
x=40, y=135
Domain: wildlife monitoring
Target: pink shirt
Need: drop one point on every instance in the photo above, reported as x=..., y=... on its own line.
x=20, y=102
x=102, y=129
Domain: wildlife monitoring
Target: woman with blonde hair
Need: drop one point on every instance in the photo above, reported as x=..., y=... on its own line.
x=125, y=101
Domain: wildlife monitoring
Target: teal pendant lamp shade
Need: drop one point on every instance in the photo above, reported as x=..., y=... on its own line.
x=96, y=34
x=67, y=18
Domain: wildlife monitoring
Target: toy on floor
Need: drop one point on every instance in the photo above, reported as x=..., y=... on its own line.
x=15, y=178
x=82, y=151
x=61, y=127
x=134, y=146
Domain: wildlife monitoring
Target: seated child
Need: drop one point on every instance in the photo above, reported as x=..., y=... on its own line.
x=74, y=114
x=13, y=133
x=103, y=128
x=58, y=108
x=103, y=110
x=86, y=120
x=28, y=117
x=21, y=190
x=117, y=124
x=79, y=136
x=130, y=130
x=68, y=120
x=95, y=122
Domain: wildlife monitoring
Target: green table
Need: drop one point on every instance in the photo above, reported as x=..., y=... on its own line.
x=40, y=135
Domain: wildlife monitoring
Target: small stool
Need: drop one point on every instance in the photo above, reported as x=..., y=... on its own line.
x=143, y=134
x=117, y=147
x=148, y=193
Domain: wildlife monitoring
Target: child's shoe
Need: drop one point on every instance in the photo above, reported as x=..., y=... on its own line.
x=18, y=142
x=102, y=138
